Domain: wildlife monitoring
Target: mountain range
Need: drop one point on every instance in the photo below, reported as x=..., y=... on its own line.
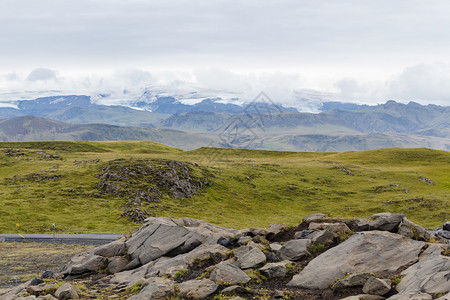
x=258, y=125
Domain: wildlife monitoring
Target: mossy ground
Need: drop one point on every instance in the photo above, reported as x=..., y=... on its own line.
x=250, y=188
x=20, y=262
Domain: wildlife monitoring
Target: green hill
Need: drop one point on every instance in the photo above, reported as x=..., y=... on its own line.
x=87, y=186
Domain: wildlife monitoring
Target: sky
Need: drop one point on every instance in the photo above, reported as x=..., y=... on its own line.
x=361, y=51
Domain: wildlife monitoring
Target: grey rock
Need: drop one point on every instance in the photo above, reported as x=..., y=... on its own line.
x=411, y=296
x=227, y=273
x=443, y=234
x=36, y=281
x=251, y=232
x=251, y=259
x=446, y=226
x=117, y=264
x=371, y=251
x=155, y=288
x=234, y=289
x=352, y=281
x=130, y=277
x=272, y=257
x=445, y=297
x=275, y=247
x=243, y=240
x=116, y=248
x=35, y=289
x=66, y=291
x=323, y=237
x=274, y=270
x=295, y=249
x=375, y=286
x=197, y=289
x=414, y=231
x=333, y=227
x=152, y=241
x=275, y=229
x=47, y=297
x=364, y=297
x=48, y=274
x=314, y=217
x=239, y=252
x=32, y=297
x=386, y=222
x=357, y=224
x=84, y=263
x=305, y=234
x=430, y=275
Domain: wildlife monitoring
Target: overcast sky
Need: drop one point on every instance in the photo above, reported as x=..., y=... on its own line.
x=356, y=50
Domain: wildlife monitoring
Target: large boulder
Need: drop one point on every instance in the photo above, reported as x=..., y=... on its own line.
x=153, y=240
x=413, y=231
x=373, y=251
x=116, y=248
x=252, y=258
x=386, y=222
x=430, y=275
x=333, y=227
x=66, y=291
x=376, y=286
x=314, y=217
x=446, y=226
x=155, y=288
x=351, y=281
x=295, y=249
x=274, y=270
x=197, y=289
x=411, y=296
x=229, y=274
x=85, y=263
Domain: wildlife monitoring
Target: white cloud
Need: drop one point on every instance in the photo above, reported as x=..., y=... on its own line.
x=42, y=74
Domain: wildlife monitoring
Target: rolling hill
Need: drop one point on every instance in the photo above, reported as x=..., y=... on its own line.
x=94, y=186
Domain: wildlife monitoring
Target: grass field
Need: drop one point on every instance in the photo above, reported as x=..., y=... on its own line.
x=56, y=182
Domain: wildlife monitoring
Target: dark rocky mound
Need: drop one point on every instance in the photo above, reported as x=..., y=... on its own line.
x=385, y=256
x=146, y=182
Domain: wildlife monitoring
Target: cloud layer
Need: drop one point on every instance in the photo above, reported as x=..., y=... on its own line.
x=423, y=83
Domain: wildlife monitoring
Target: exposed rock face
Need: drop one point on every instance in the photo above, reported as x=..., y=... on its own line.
x=156, y=240
x=199, y=260
x=430, y=275
x=373, y=251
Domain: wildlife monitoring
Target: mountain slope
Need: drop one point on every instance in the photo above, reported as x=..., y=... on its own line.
x=31, y=128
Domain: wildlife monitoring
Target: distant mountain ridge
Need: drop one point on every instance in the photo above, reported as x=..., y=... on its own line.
x=31, y=128
x=342, y=126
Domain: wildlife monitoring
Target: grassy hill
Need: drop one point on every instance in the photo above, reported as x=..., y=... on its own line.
x=61, y=182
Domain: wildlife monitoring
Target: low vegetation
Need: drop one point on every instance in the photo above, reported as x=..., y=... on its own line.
x=44, y=183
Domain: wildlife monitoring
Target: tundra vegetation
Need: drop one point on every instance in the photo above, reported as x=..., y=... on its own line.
x=68, y=184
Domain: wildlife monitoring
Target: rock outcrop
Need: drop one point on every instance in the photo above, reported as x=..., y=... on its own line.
x=385, y=256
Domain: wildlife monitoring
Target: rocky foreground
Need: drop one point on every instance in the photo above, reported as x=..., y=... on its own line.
x=385, y=256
